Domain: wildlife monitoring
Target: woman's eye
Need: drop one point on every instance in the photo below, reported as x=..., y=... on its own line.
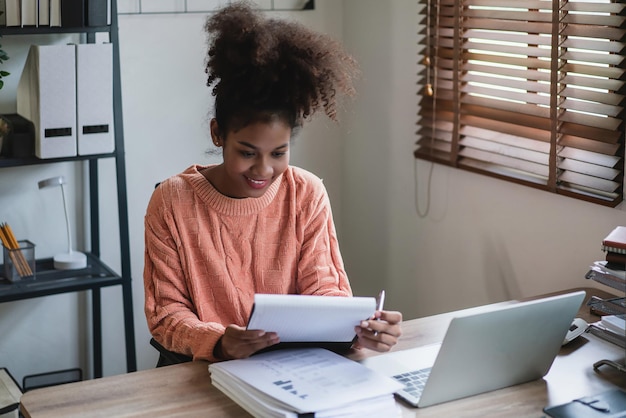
x=279, y=154
x=247, y=154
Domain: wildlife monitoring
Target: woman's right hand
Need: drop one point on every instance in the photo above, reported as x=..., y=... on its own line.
x=238, y=342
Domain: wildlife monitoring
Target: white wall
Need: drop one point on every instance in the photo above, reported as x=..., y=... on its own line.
x=484, y=240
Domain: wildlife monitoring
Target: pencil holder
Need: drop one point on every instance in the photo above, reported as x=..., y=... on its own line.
x=19, y=263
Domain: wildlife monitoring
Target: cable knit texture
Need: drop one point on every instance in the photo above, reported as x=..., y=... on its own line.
x=206, y=254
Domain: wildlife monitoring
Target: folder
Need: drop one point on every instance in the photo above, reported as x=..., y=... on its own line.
x=94, y=98
x=46, y=95
x=72, y=13
x=96, y=12
x=611, y=403
x=12, y=14
x=44, y=12
x=55, y=13
x=29, y=13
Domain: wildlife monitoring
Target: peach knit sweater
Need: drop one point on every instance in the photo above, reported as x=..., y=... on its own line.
x=206, y=254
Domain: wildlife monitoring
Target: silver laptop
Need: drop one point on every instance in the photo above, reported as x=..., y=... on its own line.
x=482, y=352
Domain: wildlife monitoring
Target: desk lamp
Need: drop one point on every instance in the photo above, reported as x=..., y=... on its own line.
x=71, y=259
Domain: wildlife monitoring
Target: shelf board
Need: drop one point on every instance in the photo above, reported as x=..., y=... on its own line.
x=49, y=281
x=17, y=162
x=46, y=30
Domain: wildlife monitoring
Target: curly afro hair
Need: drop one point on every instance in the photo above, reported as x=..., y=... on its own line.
x=261, y=69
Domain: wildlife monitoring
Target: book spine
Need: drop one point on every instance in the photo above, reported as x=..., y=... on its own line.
x=96, y=12
x=72, y=13
x=616, y=258
x=616, y=240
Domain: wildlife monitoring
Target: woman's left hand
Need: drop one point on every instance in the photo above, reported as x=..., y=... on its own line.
x=381, y=332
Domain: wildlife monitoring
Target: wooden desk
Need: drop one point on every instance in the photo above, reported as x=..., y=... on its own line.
x=186, y=390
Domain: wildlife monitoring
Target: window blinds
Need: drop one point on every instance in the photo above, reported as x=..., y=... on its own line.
x=527, y=91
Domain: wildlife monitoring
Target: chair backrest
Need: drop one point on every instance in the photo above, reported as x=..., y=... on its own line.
x=167, y=357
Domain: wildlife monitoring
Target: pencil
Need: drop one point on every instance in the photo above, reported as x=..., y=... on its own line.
x=20, y=255
x=9, y=241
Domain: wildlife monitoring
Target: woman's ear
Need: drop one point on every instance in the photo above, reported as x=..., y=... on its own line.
x=215, y=133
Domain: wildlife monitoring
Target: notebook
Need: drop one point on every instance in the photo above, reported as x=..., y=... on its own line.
x=502, y=347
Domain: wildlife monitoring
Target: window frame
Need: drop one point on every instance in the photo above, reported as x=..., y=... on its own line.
x=554, y=120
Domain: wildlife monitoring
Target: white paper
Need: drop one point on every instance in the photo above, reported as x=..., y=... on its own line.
x=306, y=318
x=301, y=380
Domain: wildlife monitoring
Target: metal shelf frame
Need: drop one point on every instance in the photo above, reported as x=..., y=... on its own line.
x=97, y=275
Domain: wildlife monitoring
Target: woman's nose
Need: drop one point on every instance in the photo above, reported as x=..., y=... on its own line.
x=263, y=168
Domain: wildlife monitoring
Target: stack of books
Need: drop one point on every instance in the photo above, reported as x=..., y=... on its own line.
x=614, y=245
x=611, y=272
x=305, y=381
x=54, y=13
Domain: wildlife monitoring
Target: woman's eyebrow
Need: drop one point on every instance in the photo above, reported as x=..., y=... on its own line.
x=254, y=147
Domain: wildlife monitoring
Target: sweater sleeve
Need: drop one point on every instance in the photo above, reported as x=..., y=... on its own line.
x=320, y=267
x=170, y=313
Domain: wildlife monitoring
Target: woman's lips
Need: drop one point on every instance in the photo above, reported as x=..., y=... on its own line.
x=257, y=184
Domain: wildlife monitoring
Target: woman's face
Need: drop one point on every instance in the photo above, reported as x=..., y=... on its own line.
x=254, y=157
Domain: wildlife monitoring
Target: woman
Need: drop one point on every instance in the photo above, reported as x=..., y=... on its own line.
x=216, y=235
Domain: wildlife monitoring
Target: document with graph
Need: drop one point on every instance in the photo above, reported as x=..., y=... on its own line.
x=289, y=382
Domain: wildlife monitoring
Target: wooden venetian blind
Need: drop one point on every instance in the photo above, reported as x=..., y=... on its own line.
x=527, y=91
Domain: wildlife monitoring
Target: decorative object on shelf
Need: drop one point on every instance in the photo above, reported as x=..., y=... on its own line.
x=19, y=256
x=5, y=130
x=71, y=259
x=3, y=57
x=17, y=136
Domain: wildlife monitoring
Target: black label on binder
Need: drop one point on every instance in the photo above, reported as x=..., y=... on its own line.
x=95, y=129
x=54, y=132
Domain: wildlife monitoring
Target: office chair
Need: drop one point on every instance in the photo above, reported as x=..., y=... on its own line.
x=167, y=357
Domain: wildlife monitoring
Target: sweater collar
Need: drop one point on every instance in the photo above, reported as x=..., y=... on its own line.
x=224, y=204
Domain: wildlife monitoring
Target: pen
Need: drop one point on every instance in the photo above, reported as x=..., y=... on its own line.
x=380, y=302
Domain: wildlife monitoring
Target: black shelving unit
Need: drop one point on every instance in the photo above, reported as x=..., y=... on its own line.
x=97, y=274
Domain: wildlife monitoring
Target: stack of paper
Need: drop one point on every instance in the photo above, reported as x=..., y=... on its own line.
x=611, y=328
x=600, y=272
x=615, y=323
x=286, y=383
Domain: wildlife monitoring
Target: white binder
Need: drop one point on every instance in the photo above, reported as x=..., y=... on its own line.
x=46, y=95
x=29, y=13
x=94, y=98
x=13, y=16
x=44, y=12
x=55, y=13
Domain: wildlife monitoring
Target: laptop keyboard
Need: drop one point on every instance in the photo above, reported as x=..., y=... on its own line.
x=413, y=382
